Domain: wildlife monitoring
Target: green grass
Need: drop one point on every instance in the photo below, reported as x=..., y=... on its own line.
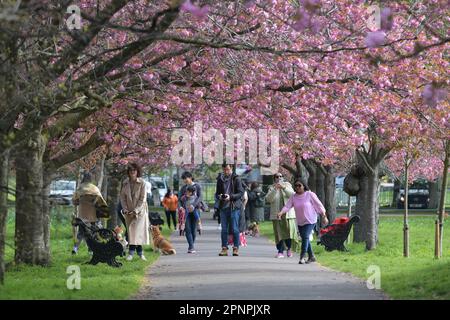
x=418, y=277
x=97, y=282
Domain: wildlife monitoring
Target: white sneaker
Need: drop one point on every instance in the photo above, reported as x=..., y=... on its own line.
x=130, y=257
x=219, y=228
x=143, y=258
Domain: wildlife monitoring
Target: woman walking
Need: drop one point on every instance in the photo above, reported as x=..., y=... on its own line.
x=170, y=203
x=307, y=207
x=88, y=199
x=285, y=229
x=188, y=180
x=133, y=198
x=192, y=215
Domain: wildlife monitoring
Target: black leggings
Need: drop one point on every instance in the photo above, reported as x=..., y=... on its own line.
x=280, y=245
x=173, y=215
x=134, y=248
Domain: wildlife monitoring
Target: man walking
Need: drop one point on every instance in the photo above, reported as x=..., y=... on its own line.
x=229, y=192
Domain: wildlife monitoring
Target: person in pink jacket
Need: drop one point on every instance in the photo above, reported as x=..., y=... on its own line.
x=307, y=207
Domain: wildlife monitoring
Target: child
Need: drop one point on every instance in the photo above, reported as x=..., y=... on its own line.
x=192, y=216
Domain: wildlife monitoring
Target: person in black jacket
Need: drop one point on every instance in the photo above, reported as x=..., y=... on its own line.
x=229, y=192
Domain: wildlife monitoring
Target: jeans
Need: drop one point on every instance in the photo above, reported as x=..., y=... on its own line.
x=280, y=246
x=230, y=217
x=305, y=232
x=169, y=215
x=190, y=228
x=137, y=248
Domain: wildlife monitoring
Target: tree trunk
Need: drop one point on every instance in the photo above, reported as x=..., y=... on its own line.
x=434, y=191
x=46, y=210
x=299, y=171
x=367, y=208
x=372, y=208
x=397, y=187
x=443, y=196
x=4, y=173
x=405, y=218
x=113, y=193
x=312, y=171
x=320, y=185
x=330, y=192
x=29, y=236
x=359, y=229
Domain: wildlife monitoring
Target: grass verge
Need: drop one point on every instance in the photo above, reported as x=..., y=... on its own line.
x=418, y=277
x=97, y=282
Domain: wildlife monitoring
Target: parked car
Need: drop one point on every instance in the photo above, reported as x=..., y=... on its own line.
x=418, y=196
x=156, y=185
x=61, y=192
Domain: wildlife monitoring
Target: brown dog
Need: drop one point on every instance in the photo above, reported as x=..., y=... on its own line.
x=160, y=244
x=254, y=229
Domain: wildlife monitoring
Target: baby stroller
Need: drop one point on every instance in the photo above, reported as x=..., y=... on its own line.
x=333, y=236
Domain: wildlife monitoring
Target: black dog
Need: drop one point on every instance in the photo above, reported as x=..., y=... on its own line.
x=102, y=242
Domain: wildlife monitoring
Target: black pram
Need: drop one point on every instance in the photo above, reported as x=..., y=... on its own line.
x=334, y=235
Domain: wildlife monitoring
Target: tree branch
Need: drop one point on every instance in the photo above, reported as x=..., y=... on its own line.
x=93, y=143
x=362, y=156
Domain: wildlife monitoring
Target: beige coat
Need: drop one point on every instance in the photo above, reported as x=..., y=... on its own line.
x=278, y=198
x=88, y=198
x=136, y=200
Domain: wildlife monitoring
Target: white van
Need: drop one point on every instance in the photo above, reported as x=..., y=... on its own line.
x=159, y=183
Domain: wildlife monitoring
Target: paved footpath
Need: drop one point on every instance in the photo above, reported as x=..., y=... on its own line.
x=254, y=275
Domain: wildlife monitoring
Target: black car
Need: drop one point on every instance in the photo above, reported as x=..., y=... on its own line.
x=418, y=196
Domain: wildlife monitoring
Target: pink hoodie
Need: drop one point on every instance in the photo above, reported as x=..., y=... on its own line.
x=307, y=207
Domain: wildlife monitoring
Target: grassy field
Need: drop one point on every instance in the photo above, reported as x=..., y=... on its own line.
x=418, y=277
x=97, y=282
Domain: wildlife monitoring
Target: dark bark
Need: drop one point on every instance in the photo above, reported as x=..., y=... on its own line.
x=397, y=187
x=4, y=173
x=359, y=229
x=29, y=236
x=46, y=210
x=320, y=184
x=113, y=192
x=312, y=171
x=367, y=206
x=298, y=171
x=434, y=189
x=330, y=192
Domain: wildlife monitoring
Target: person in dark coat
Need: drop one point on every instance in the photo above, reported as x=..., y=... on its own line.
x=229, y=192
x=256, y=198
